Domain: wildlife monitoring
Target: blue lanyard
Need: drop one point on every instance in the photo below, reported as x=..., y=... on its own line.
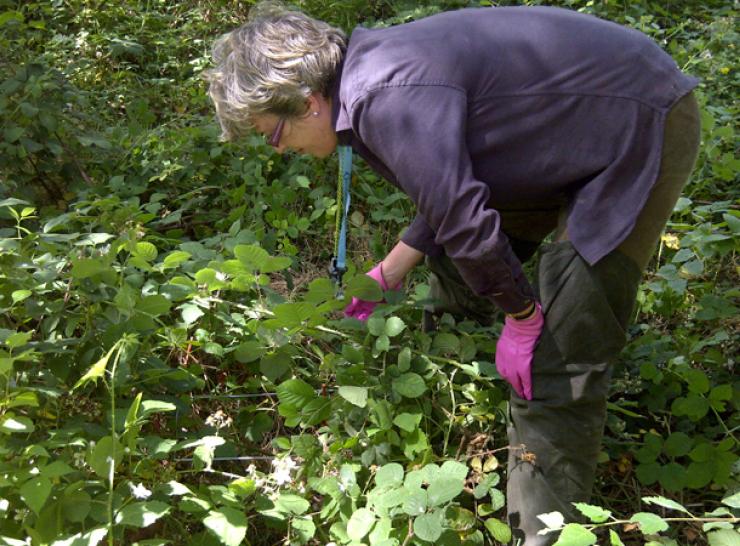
x=339, y=261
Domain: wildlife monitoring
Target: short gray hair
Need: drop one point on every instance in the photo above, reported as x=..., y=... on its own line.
x=272, y=63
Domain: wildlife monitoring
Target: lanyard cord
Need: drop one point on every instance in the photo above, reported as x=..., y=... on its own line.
x=339, y=260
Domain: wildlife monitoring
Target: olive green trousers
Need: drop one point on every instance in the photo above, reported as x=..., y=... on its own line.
x=555, y=438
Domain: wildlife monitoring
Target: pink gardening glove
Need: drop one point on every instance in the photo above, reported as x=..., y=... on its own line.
x=515, y=350
x=361, y=309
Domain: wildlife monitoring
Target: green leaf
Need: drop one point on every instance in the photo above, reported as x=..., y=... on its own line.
x=175, y=258
x=131, y=425
x=724, y=537
x=416, y=501
x=665, y=503
x=7, y=16
x=574, y=534
x=733, y=501
x=498, y=500
x=12, y=134
x=20, y=295
x=275, y=365
x=428, y=527
x=148, y=407
x=89, y=538
x=304, y=527
x=672, y=477
x=382, y=344
x=252, y=256
x=94, y=239
x=292, y=504
x=87, y=267
x=76, y=506
x=174, y=489
x=295, y=392
x=443, y=490
x=16, y=423
x=595, y=514
x=354, y=395
x=243, y=487
x=407, y=421
x=394, y=326
x=57, y=469
x=35, y=492
x=453, y=470
x=404, y=359
x=18, y=339
x=142, y=514
x=276, y=263
x=388, y=498
x=697, y=380
x=410, y=385
x=6, y=365
x=677, y=444
x=460, y=519
x=650, y=524
x=733, y=223
x=364, y=288
x=229, y=525
x=209, y=277
x=106, y=453
x=289, y=315
x=360, y=524
x=154, y=306
x=145, y=251
x=389, y=475
x=249, y=351
x=96, y=371
x=319, y=291
x=614, y=539
x=498, y=530
x=316, y=411
x=376, y=326
x=647, y=473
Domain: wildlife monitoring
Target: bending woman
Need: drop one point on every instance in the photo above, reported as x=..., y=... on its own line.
x=503, y=125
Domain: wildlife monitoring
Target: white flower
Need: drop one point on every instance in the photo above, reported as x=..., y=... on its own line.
x=139, y=491
x=281, y=474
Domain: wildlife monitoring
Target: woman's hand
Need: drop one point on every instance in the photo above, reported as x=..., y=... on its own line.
x=515, y=350
x=389, y=274
x=361, y=309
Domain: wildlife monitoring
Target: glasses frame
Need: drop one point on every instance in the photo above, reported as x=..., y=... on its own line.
x=274, y=139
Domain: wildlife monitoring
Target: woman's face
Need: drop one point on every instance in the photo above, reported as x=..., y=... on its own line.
x=311, y=134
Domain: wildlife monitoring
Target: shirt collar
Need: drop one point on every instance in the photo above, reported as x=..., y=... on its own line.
x=340, y=117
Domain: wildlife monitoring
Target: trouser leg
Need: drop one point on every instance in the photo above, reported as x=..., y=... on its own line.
x=586, y=312
x=587, y=309
x=449, y=294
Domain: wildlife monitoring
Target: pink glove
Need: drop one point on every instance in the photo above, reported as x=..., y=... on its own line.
x=361, y=309
x=515, y=350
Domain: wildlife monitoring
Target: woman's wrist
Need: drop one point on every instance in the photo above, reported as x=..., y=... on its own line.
x=399, y=261
x=525, y=314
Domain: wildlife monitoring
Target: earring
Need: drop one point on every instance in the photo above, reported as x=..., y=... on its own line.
x=315, y=114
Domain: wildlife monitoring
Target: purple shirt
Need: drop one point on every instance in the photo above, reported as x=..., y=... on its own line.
x=477, y=111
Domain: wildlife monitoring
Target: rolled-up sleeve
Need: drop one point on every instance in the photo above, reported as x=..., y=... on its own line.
x=418, y=132
x=421, y=237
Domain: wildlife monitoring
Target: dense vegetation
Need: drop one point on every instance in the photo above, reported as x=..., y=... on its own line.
x=172, y=363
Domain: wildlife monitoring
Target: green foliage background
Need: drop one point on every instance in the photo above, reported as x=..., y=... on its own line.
x=172, y=363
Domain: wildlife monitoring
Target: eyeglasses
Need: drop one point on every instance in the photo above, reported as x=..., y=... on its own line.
x=274, y=139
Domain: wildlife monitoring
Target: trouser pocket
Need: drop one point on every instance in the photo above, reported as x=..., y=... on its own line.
x=587, y=308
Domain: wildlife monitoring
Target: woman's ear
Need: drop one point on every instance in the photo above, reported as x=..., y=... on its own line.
x=317, y=104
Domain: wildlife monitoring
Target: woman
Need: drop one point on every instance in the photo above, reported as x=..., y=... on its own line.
x=502, y=125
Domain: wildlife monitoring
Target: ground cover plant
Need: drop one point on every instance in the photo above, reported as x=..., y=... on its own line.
x=173, y=361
